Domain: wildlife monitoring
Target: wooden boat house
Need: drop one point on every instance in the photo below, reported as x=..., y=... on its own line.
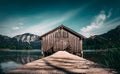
x=61, y=38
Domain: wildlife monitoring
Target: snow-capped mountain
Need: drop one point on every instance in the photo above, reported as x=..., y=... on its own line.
x=27, y=37
x=23, y=41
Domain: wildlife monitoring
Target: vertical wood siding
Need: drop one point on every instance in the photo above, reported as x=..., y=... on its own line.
x=61, y=40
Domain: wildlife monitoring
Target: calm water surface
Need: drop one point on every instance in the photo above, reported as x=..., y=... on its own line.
x=10, y=59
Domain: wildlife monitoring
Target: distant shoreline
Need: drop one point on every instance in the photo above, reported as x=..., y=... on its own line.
x=4, y=49
x=17, y=49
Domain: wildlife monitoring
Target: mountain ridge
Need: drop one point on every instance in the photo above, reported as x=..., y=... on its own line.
x=27, y=37
x=110, y=39
x=22, y=41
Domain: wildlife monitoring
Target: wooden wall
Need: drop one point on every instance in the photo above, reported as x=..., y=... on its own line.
x=61, y=40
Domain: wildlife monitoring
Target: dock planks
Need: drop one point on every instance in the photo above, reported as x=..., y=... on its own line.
x=61, y=62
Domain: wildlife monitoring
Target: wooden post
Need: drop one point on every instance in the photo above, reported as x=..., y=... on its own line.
x=43, y=55
x=81, y=47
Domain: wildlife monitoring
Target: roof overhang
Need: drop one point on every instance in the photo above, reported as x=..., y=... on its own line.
x=65, y=28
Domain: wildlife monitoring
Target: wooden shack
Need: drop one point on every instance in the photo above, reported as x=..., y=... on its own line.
x=61, y=38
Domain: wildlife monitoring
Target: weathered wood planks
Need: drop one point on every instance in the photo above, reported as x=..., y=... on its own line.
x=62, y=39
x=61, y=62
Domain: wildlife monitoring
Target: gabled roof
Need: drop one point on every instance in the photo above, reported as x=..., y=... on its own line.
x=65, y=28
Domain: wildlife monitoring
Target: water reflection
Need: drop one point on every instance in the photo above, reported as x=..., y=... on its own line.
x=1, y=69
x=10, y=59
x=9, y=65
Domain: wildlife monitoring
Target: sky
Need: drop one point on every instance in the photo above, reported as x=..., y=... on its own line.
x=87, y=17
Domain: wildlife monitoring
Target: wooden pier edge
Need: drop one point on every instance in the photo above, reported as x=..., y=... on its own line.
x=61, y=62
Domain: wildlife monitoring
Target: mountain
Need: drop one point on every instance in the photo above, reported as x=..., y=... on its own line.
x=111, y=39
x=113, y=34
x=23, y=41
x=4, y=40
x=28, y=41
x=27, y=37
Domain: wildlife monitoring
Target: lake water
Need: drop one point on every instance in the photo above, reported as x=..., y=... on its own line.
x=10, y=59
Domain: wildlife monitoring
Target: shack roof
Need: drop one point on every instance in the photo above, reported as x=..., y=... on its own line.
x=65, y=28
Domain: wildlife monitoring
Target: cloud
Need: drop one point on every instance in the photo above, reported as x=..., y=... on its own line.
x=38, y=28
x=96, y=23
x=16, y=28
x=101, y=24
x=20, y=23
x=39, y=23
x=110, y=13
x=50, y=23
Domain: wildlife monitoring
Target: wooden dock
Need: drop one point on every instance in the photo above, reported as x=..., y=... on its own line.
x=61, y=62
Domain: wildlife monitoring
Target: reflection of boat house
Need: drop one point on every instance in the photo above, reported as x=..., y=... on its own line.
x=61, y=38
